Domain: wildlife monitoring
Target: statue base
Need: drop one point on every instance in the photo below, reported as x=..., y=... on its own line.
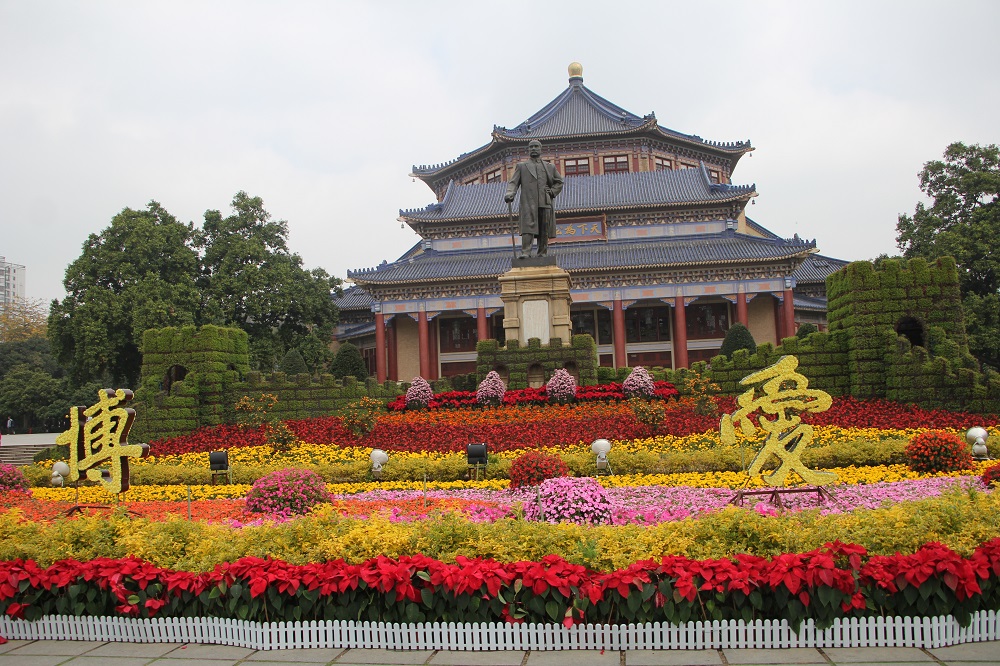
x=536, y=298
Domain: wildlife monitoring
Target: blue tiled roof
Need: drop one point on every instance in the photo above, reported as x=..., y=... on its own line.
x=619, y=191
x=577, y=112
x=817, y=267
x=809, y=303
x=354, y=298
x=723, y=248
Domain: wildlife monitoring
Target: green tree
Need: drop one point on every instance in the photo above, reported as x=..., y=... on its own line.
x=805, y=330
x=737, y=337
x=251, y=280
x=139, y=273
x=963, y=221
x=36, y=353
x=293, y=363
x=27, y=393
x=348, y=362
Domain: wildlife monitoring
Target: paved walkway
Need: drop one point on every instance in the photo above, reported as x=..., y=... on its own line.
x=46, y=438
x=80, y=653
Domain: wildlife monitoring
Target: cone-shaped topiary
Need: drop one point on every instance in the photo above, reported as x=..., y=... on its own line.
x=491, y=390
x=805, y=330
x=293, y=363
x=419, y=395
x=348, y=363
x=737, y=337
x=561, y=387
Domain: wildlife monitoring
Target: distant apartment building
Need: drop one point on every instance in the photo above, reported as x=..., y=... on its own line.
x=11, y=281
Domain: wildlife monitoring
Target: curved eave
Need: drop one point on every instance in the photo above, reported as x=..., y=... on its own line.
x=499, y=138
x=744, y=196
x=801, y=253
x=437, y=169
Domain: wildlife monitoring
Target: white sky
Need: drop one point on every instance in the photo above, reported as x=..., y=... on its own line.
x=321, y=108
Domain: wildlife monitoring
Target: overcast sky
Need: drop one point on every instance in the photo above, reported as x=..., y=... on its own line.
x=321, y=108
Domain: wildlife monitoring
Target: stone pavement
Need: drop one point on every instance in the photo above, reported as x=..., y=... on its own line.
x=96, y=653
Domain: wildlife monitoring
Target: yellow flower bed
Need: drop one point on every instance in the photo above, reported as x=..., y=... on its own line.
x=733, y=480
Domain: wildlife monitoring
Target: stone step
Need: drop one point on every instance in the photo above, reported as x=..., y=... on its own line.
x=20, y=454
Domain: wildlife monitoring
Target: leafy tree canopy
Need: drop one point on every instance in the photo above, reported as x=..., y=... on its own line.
x=251, y=280
x=35, y=353
x=963, y=221
x=22, y=319
x=139, y=273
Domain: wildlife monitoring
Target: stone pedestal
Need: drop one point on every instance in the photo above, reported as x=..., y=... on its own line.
x=536, y=298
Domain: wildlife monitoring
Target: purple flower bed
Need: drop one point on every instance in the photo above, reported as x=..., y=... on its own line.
x=649, y=505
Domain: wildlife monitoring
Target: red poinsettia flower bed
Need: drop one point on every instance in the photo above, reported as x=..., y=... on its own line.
x=835, y=581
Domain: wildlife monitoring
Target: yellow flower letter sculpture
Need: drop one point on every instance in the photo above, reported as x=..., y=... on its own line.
x=784, y=391
x=99, y=433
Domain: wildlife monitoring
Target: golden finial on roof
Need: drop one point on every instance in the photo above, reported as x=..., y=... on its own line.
x=575, y=70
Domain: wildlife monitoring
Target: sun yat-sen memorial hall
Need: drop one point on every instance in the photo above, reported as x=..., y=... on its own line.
x=651, y=229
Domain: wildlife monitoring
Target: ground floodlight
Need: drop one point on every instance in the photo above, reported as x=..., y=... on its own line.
x=601, y=448
x=476, y=454
x=378, y=458
x=977, y=437
x=61, y=468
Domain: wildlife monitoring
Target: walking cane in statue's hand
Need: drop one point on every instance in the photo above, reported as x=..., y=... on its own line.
x=510, y=211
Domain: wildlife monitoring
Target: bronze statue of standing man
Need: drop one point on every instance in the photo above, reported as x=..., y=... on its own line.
x=540, y=184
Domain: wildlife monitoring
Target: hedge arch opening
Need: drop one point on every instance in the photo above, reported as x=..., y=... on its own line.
x=913, y=330
x=175, y=373
x=570, y=367
x=503, y=372
x=536, y=376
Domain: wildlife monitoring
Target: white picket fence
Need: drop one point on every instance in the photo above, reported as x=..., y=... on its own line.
x=927, y=632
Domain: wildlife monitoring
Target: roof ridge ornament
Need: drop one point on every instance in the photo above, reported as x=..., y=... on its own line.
x=575, y=73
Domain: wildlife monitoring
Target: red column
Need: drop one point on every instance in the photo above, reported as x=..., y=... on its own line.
x=680, y=333
x=423, y=337
x=789, y=308
x=741, y=309
x=393, y=363
x=779, y=321
x=379, y=347
x=482, y=324
x=435, y=348
x=618, y=323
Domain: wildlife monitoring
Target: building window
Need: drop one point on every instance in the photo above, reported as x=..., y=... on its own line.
x=662, y=164
x=683, y=165
x=457, y=335
x=458, y=368
x=661, y=359
x=595, y=323
x=496, y=327
x=471, y=181
x=715, y=175
x=577, y=167
x=494, y=175
x=647, y=324
x=616, y=164
x=707, y=320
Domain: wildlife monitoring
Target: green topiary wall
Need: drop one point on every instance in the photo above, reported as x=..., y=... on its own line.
x=555, y=355
x=218, y=375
